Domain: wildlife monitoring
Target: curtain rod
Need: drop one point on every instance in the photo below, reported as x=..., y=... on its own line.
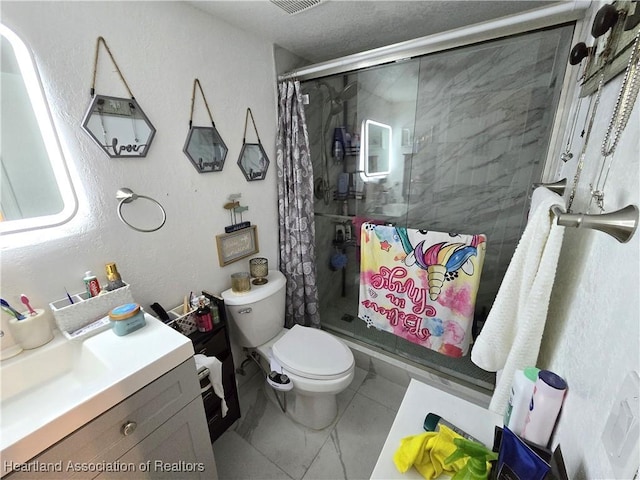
x=480, y=32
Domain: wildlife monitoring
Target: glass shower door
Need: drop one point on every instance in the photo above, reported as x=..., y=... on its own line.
x=469, y=132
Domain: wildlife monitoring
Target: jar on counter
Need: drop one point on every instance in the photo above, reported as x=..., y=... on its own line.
x=127, y=318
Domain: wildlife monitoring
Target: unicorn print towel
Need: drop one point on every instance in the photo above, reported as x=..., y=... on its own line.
x=420, y=285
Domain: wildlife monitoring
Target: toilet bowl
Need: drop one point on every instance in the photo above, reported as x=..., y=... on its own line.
x=318, y=364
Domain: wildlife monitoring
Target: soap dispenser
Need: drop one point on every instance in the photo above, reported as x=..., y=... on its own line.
x=476, y=467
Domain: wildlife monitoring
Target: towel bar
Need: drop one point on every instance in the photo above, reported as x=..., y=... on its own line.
x=620, y=224
x=556, y=187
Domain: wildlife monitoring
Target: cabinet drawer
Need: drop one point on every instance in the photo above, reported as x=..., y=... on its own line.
x=211, y=402
x=110, y=435
x=179, y=449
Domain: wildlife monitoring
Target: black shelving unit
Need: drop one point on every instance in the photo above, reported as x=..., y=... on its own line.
x=216, y=343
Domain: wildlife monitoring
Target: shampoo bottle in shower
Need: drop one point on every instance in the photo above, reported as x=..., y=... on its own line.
x=338, y=151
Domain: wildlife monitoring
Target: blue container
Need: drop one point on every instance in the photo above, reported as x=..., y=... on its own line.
x=127, y=318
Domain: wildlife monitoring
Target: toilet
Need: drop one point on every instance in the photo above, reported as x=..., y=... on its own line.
x=318, y=364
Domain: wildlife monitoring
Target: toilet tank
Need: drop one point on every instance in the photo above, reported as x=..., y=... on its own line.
x=257, y=315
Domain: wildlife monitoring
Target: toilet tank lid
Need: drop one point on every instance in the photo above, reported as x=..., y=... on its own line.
x=275, y=282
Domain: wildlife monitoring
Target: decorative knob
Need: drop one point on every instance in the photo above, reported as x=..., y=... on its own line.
x=578, y=53
x=128, y=428
x=606, y=18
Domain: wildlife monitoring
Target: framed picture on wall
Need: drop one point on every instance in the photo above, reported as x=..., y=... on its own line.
x=237, y=245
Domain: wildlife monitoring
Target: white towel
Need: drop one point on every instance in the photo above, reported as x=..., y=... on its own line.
x=215, y=376
x=511, y=336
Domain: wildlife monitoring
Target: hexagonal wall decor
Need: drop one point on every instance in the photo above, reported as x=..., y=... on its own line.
x=206, y=149
x=118, y=126
x=253, y=161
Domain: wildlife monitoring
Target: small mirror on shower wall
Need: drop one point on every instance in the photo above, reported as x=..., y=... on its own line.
x=375, y=157
x=253, y=161
x=118, y=126
x=206, y=149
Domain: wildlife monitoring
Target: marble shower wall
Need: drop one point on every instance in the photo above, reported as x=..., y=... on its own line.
x=477, y=120
x=484, y=118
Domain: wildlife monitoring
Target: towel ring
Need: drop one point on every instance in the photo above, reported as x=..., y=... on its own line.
x=126, y=195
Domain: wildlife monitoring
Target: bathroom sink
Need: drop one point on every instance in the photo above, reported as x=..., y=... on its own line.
x=49, y=392
x=59, y=363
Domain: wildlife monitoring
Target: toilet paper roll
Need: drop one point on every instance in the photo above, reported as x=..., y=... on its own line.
x=32, y=332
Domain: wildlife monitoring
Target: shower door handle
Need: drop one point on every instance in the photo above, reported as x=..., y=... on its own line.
x=245, y=310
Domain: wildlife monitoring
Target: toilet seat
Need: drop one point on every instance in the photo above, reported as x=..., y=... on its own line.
x=314, y=354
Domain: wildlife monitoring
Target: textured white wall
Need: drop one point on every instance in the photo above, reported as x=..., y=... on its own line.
x=592, y=334
x=160, y=48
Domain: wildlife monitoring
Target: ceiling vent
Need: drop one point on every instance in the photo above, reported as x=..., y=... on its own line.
x=295, y=6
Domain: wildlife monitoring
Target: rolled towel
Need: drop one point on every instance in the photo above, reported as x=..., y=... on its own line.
x=215, y=376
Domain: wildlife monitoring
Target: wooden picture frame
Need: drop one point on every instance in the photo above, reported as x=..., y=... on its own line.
x=237, y=245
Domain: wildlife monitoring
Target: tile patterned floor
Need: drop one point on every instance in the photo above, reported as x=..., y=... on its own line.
x=265, y=444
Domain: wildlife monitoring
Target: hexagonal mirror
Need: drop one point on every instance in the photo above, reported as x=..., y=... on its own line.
x=118, y=126
x=206, y=149
x=253, y=161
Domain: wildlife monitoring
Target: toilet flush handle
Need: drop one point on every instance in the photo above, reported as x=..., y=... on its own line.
x=245, y=310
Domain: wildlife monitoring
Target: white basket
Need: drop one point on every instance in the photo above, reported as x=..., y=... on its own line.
x=86, y=310
x=186, y=322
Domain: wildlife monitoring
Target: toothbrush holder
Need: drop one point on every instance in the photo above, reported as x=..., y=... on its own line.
x=32, y=332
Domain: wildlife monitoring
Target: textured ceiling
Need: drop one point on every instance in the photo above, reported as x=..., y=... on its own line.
x=335, y=28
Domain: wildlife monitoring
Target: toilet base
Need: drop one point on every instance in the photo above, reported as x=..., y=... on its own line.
x=316, y=412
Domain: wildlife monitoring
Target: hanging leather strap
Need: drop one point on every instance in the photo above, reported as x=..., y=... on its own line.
x=246, y=119
x=193, y=97
x=102, y=41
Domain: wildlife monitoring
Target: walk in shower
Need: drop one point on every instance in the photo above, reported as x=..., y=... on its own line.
x=454, y=141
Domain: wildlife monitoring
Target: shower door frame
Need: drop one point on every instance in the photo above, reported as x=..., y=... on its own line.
x=537, y=19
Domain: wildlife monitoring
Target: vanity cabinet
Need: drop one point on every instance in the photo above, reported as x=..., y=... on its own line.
x=158, y=432
x=216, y=343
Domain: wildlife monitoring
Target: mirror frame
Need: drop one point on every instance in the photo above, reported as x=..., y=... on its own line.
x=250, y=175
x=108, y=149
x=31, y=77
x=365, y=149
x=216, y=135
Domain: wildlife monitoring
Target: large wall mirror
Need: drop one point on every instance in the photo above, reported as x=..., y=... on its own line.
x=35, y=186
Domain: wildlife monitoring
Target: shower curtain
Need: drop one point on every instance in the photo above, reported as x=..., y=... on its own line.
x=295, y=208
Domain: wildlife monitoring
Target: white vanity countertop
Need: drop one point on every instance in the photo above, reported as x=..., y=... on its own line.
x=51, y=391
x=419, y=400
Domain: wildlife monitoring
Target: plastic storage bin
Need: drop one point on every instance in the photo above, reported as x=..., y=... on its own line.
x=88, y=315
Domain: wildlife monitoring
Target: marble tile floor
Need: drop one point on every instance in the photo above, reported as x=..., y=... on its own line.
x=265, y=444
